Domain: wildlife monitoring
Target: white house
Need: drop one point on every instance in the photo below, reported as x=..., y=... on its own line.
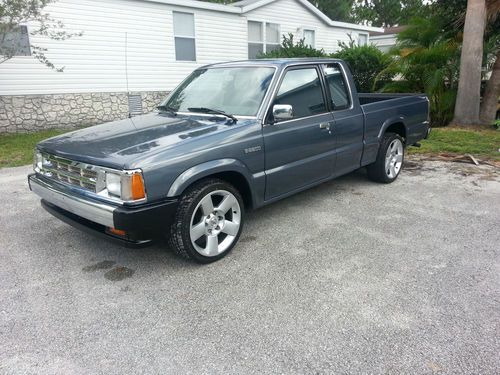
x=133, y=52
x=386, y=39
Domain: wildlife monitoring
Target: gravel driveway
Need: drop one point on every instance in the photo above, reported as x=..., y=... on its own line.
x=349, y=277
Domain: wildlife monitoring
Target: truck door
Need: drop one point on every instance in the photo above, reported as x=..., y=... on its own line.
x=300, y=150
x=349, y=120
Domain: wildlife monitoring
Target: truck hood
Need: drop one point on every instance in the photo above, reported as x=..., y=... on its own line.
x=121, y=143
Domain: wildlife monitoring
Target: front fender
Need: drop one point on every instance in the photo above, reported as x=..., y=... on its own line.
x=212, y=167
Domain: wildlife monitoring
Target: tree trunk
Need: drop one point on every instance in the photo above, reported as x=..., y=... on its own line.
x=469, y=84
x=491, y=94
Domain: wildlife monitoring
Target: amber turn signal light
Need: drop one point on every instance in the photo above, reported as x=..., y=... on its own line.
x=138, y=191
x=117, y=232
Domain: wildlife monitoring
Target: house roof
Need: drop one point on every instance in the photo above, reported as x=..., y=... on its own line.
x=244, y=6
x=388, y=31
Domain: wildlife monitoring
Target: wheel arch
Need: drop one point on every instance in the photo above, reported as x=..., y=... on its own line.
x=230, y=170
x=394, y=125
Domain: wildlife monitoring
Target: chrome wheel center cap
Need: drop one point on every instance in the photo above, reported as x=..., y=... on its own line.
x=214, y=223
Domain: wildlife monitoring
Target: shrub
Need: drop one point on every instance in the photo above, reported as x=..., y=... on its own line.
x=365, y=62
x=289, y=48
x=426, y=60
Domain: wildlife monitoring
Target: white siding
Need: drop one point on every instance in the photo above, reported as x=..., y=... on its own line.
x=384, y=42
x=95, y=62
x=293, y=17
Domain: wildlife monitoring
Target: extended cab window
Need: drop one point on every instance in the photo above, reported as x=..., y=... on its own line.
x=339, y=92
x=301, y=88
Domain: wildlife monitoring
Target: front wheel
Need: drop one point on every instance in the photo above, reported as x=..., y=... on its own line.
x=208, y=221
x=389, y=159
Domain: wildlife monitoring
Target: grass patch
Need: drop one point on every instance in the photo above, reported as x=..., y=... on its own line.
x=478, y=142
x=17, y=149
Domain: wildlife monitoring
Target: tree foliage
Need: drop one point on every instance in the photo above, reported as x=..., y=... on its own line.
x=337, y=10
x=426, y=60
x=387, y=13
x=291, y=48
x=14, y=13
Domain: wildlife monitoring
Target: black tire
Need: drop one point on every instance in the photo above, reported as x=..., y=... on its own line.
x=179, y=237
x=377, y=171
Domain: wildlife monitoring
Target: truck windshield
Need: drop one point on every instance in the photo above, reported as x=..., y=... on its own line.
x=235, y=91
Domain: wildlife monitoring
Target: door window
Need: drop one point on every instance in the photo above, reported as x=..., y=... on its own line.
x=301, y=88
x=339, y=93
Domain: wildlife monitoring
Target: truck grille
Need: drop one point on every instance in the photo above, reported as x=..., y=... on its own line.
x=70, y=172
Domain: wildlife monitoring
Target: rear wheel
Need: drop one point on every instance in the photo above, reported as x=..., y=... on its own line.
x=389, y=159
x=208, y=221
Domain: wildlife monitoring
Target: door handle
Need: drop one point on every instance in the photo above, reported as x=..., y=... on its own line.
x=324, y=125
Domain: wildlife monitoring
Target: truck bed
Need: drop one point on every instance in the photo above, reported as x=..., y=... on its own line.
x=368, y=98
x=409, y=110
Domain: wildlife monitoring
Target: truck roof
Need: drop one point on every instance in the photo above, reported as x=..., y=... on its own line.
x=278, y=62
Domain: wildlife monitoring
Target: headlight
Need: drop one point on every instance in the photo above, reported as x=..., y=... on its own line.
x=114, y=184
x=37, y=161
x=128, y=186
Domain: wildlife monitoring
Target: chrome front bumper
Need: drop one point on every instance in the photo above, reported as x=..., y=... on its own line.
x=62, y=197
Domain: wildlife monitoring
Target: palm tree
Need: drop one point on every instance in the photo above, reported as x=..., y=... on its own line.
x=491, y=94
x=426, y=60
x=469, y=84
x=492, y=91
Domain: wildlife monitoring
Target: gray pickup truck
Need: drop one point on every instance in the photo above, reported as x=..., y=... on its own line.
x=231, y=137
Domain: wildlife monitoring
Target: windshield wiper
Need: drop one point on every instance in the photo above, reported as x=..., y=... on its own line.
x=212, y=111
x=167, y=108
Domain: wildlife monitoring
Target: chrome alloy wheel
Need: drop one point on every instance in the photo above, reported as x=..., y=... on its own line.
x=394, y=158
x=215, y=223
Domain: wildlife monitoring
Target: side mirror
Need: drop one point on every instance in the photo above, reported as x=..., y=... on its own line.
x=282, y=112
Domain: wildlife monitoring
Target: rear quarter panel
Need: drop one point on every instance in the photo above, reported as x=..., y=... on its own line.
x=411, y=111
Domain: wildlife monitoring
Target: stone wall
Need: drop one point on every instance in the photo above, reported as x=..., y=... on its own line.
x=28, y=113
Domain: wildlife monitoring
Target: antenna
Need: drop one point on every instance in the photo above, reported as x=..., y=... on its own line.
x=126, y=60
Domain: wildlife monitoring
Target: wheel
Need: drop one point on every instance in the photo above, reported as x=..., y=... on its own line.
x=389, y=159
x=208, y=221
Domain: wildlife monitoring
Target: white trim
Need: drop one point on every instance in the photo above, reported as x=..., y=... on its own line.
x=199, y=5
x=385, y=36
x=318, y=13
x=235, y=8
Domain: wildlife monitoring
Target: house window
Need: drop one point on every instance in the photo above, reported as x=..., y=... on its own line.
x=310, y=38
x=272, y=36
x=185, y=45
x=260, y=41
x=15, y=42
x=362, y=39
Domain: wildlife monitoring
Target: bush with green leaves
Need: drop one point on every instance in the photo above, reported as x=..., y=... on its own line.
x=365, y=62
x=496, y=124
x=290, y=48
